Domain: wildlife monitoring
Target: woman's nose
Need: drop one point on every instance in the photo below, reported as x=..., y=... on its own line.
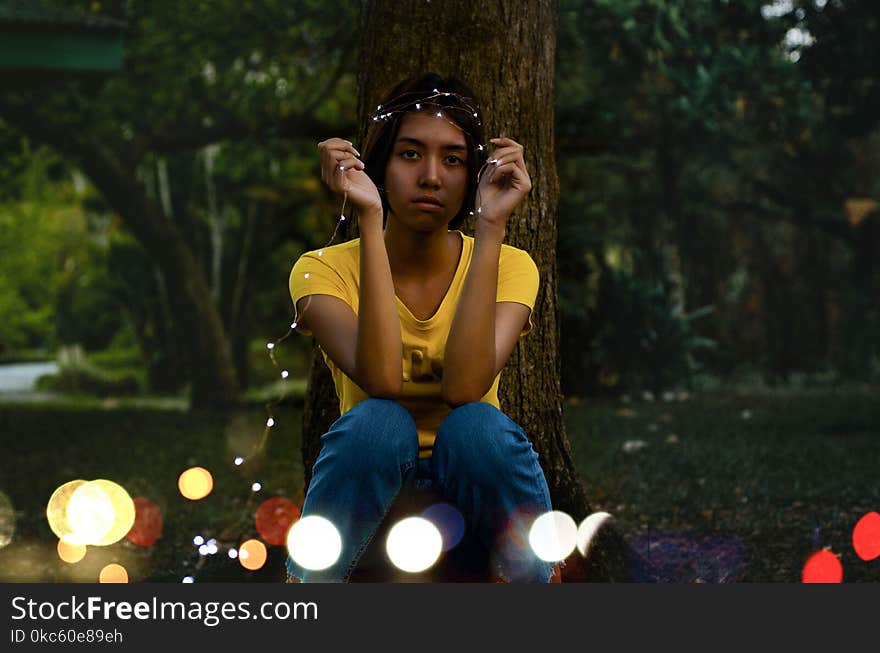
x=430, y=176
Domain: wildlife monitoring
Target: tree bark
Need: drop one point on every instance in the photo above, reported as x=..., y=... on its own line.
x=506, y=53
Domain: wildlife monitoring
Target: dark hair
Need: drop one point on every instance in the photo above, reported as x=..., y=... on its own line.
x=457, y=102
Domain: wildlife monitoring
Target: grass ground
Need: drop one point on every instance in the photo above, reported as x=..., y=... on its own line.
x=722, y=487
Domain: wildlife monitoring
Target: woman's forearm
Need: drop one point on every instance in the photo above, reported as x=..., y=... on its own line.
x=469, y=361
x=379, y=352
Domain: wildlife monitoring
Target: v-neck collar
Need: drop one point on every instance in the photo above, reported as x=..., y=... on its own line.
x=463, y=258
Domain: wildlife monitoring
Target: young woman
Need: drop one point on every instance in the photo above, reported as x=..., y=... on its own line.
x=416, y=321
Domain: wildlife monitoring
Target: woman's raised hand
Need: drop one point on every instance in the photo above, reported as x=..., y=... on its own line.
x=503, y=183
x=343, y=172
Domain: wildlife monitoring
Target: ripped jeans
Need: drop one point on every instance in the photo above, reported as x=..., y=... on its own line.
x=482, y=463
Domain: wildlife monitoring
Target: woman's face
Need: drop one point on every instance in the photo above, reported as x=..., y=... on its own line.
x=426, y=174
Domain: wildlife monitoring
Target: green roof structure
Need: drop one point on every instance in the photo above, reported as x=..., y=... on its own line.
x=40, y=38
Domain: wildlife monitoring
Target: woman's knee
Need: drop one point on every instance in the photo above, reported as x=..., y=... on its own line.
x=373, y=432
x=480, y=433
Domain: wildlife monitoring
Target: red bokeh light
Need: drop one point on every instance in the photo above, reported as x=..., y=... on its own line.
x=822, y=567
x=866, y=537
x=274, y=518
x=147, y=527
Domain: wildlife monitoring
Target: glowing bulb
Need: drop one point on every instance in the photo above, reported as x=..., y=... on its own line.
x=256, y=487
x=553, y=536
x=270, y=422
x=203, y=550
x=342, y=218
x=436, y=91
x=439, y=114
x=233, y=553
x=212, y=549
x=238, y=460
x=314, y=543
x=475, y=115
x=271, y=345
x=113, y=573
x=56, y=509
x=195, y=483
x=198, y=540
x=71, y=553
x=418, y=106
x=293, y=325
x=90, y=514
x=588, y=529
x=320, y=252
x=123, y=509
x=284, y=374
x=479, y=147
x=414, y=544
x=252, y=554
x=342, y=167
x=188, y=579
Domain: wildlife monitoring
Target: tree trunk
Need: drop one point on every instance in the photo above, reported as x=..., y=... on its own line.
x=197, y=323
x=505, y=52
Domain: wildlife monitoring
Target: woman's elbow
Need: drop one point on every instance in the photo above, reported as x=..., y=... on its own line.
x=460, y=396
x=384, y=388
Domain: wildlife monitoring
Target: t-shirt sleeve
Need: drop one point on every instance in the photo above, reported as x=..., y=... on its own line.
x=518, y=280
x=313, y=275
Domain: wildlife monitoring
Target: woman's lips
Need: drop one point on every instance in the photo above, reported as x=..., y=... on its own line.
x=425, y=204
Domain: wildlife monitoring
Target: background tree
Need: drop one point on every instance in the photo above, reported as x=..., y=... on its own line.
x=506, y=53
x=153, y=140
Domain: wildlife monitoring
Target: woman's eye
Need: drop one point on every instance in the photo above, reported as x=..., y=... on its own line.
x=409, y=154
x=454, y=160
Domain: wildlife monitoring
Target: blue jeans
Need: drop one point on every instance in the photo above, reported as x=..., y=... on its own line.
x=482, y=463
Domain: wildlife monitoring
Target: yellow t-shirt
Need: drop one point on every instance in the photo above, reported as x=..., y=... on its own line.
x=335, y=270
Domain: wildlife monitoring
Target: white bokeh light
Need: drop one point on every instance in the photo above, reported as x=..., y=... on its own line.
x=90, y=514
x=414, y=544
x=588, y=529
x=314, y=543
x=553, y=536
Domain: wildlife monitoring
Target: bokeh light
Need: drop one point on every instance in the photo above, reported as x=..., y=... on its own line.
x=195, y=483
x=314, y=543
x=123, y=512
x=71, y=553
x=448, y=520
x=866, y=537
x=7, y=520
x=90, y=514
x=822, y=567
x=274, y=517
x=414, y=544
x=56, y=509
x=553, y=536
x=113, y=573
x=588, y=529
x=147, y=526
x=252, y=554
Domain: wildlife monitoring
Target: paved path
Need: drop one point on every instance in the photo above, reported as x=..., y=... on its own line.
x=18, y=379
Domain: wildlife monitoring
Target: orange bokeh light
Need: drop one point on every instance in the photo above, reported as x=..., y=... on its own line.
x=113, y=573
x=274, y=518
x=195, y=483
x=147, y=527
x=71, y=553
x=252, y=554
